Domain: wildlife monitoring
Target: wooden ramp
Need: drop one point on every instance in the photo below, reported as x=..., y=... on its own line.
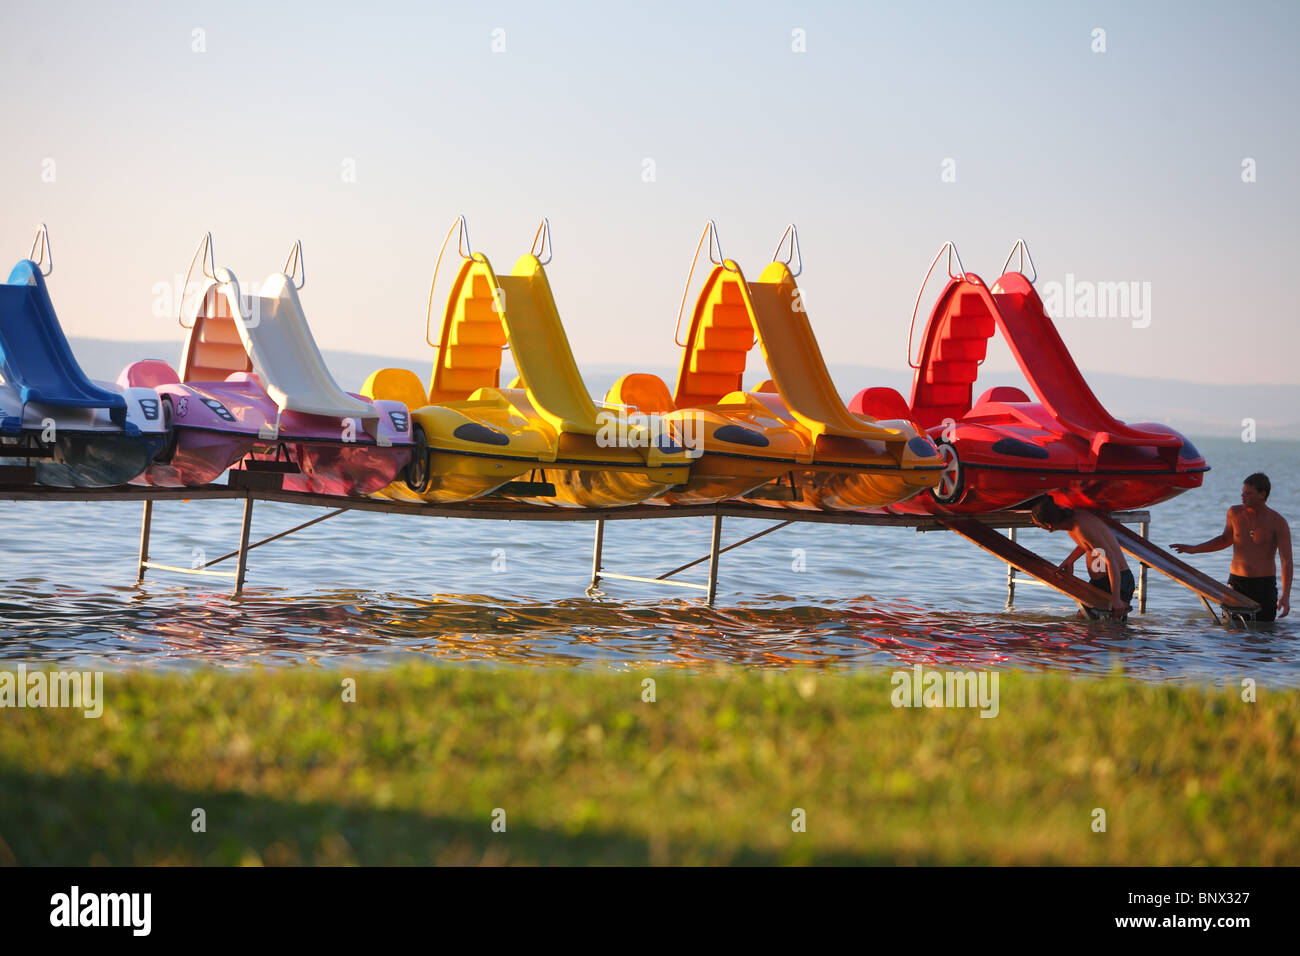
x=1153, y=556
x=1088, y=597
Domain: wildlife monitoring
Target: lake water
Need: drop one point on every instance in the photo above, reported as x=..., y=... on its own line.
x=364, y=590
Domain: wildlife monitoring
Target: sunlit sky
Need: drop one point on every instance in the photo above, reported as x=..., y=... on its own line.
x=1116, y=166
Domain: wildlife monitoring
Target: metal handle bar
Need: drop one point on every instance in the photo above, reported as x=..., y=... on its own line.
x=951, y=249
x=544, y=235
x=204, y=251
x=795, y=252
x=42, y=251
x=1023, y=249
x=710, y=233
x=465, y=251
x=294, y=264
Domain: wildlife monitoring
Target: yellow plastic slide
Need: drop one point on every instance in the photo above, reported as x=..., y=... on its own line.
x=795, y=359
x=545, y=428
x=851, y=461
x=541, y=350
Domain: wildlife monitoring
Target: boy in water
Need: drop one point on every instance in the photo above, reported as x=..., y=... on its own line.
x=1259, y=536
x=1091, y=537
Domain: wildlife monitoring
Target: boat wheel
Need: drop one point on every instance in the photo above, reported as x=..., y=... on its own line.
x=417, y=470
x=952, y=481
x=168, y=450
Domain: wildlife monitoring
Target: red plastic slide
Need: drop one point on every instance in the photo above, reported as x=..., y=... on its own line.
x=1051, y=372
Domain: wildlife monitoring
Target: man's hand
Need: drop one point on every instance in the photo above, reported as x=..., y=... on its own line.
x=1283, y=605
x=1117, y=606
x=1184, y=548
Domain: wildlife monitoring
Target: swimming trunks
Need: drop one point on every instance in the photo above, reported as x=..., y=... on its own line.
x=1126, y=584
x=1263, y=591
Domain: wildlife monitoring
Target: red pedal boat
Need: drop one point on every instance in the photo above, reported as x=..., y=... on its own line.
x=1003, y=449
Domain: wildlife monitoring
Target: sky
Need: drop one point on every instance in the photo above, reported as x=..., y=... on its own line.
x=1163, y=152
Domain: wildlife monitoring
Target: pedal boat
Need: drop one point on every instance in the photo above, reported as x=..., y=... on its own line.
x=58, y=427
x=253, y=388
x=542, y=440
x=1004, y=449
x=790, y=442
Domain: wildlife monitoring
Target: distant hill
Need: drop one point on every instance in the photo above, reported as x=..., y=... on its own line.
x=1191, y=407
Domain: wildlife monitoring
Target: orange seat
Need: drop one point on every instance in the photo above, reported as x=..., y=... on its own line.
x=642, y=391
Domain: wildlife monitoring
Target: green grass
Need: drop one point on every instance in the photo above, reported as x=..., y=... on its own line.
x=588, y=773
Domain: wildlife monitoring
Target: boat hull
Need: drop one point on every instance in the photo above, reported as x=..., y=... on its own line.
x=216, y=425
x=1038, y=461
x=86, y=447
x=85, y=459
x=586, y=474
x=468, y=449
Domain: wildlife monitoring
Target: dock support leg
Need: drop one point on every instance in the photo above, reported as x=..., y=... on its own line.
x=713, y=559
x=145, y=526
x=242, y=564
x=1145, y=528
x=596, y=550
x=1011, y=575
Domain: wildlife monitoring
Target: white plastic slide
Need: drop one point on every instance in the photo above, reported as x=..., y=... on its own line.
x=286, y=358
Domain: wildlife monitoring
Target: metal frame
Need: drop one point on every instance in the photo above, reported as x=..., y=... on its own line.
x=241, y=553
x=712, y=557
x=490, y=509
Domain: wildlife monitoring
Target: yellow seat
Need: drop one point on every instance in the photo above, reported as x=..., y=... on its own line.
x=398, y=385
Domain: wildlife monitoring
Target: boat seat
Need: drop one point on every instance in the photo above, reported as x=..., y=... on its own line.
x=1002, y=393
x=642, y=391
x=150, y=373
x=237, y=377
x=398, y=385
x=880, y=403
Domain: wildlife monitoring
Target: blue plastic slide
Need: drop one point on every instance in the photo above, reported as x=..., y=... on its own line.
x=34, y=353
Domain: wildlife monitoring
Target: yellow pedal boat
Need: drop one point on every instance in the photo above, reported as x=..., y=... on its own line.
x=790, y=442
x=542, y=439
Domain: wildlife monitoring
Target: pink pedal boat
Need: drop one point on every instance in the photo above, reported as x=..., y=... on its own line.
x=253, y=388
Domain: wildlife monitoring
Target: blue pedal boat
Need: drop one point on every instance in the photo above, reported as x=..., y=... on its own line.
x=57, y=426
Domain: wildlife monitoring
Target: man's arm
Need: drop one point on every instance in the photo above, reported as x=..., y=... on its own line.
x=1284, y=555
x=1068, y=563
x=1100, y=536
x=1214, y=544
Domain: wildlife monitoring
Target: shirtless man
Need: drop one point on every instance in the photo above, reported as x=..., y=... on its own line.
x=1093, y=538
x=1258, y=535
